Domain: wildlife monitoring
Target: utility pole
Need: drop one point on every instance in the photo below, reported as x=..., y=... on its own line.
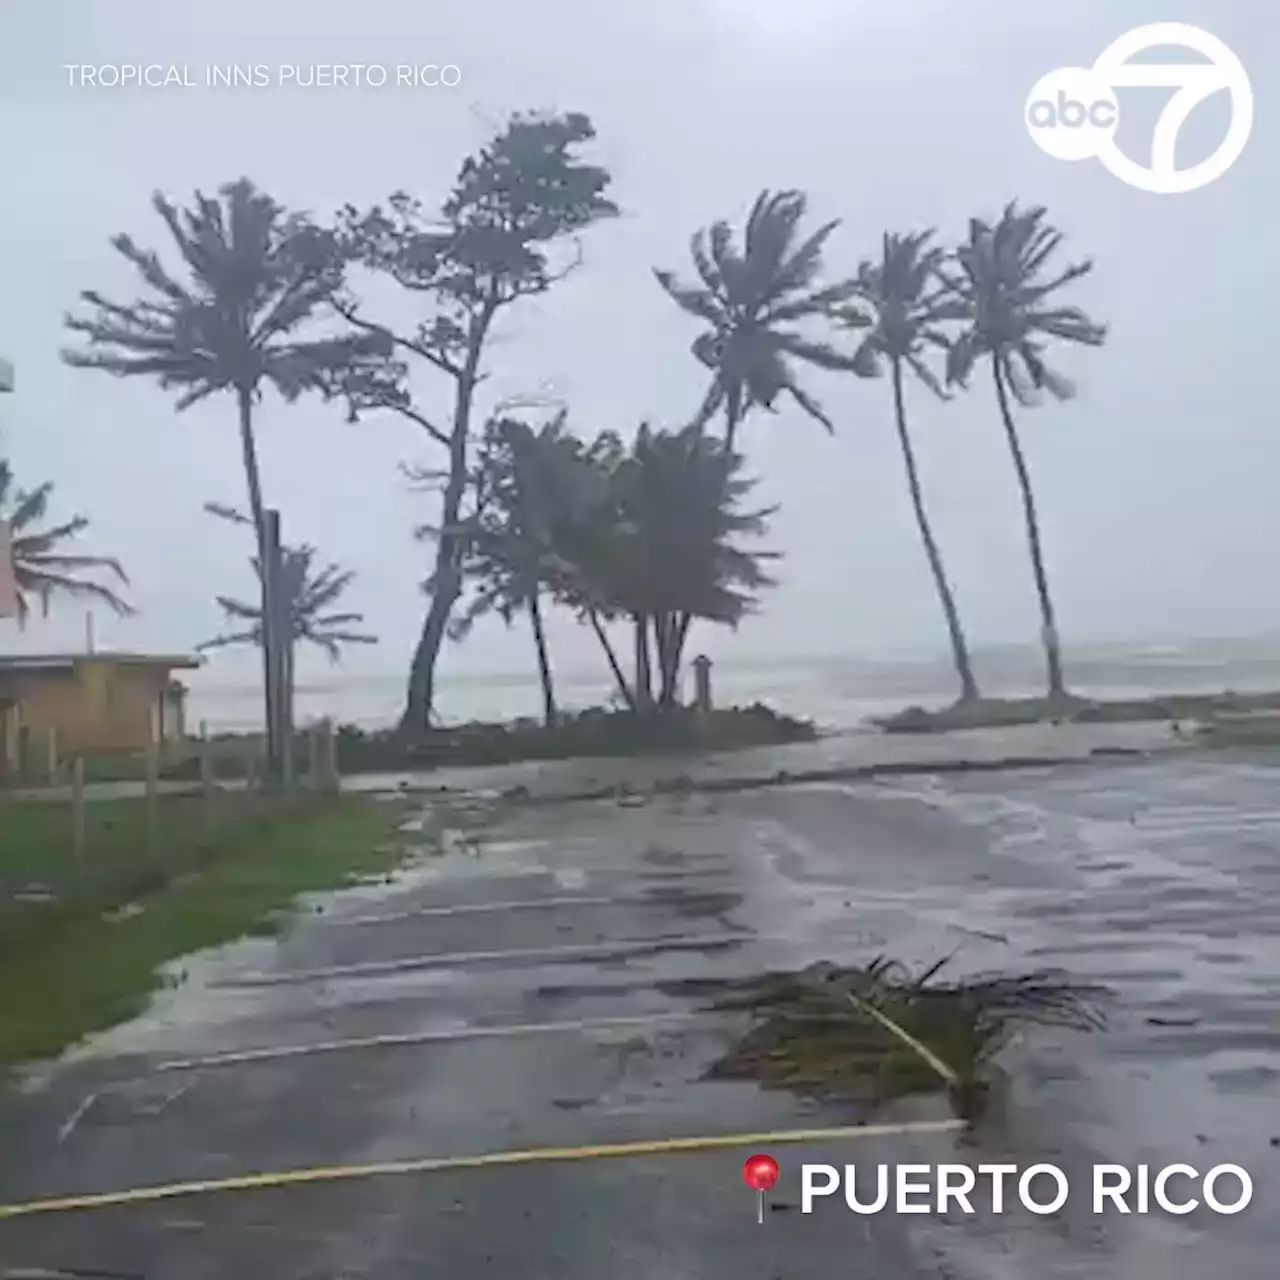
x=8, y=576
x=271, y=646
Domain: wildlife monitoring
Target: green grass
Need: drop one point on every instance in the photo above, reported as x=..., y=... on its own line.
x=994, y=713
x=37, y=851
x=79, y=970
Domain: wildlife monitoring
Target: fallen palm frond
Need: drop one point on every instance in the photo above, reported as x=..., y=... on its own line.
x=880, y=1032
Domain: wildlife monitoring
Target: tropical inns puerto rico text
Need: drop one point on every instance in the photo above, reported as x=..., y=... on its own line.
x=260, y=75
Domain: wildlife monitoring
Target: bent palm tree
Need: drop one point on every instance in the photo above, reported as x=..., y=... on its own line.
x=1004, y=284
x=39, y=568
x=525, y=492
x=911, y=303
x=748, y=295
x=257, y=276
x=671, y=546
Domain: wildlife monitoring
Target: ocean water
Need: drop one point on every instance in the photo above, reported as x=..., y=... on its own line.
x=839, y=693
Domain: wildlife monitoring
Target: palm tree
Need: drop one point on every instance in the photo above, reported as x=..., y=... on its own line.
x=256, y=277
x=39, y=568
x=911, y=304
x=668, y=547
x=524, y=488
x=1005, y=283
x=310, y=593
x=749, y=295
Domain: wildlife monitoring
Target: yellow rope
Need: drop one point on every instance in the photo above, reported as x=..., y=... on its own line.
x=401, y=1168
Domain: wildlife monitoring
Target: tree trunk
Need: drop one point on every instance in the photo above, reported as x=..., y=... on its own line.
x=644, y=666
x=959, y=646
x=611, y=658
x=680, y=622
x=1049, y=625
x=671, y=635
x=549, y=716
x=732, y=418
x=258, y=513
x=447, y=579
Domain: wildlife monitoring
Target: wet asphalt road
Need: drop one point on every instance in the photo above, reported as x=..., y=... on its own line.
x=1162, y=880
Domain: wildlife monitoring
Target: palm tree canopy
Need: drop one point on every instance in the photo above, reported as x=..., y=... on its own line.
x=669, y=538
x=528, y=485
x=1004, y=279
x=911, y=301
x=254, y=276
x=748, y=294
x=311, y=592
x=654, y=527
x=39, y=567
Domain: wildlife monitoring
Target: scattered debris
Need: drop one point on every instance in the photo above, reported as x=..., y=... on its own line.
x=876, y=1033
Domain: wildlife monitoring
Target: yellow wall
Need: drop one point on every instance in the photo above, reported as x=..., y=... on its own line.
x=97, y=706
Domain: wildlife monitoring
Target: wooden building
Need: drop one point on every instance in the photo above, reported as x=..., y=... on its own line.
x=62, y=705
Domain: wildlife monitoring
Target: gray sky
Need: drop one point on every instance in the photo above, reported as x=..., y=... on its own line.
x=1157, y=486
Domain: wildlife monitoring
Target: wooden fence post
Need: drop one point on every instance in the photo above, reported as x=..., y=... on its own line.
x=77, y=812
x=313, y=756
x=153, y=800
x=328, y=757
x=207, y=787
x=51, y=760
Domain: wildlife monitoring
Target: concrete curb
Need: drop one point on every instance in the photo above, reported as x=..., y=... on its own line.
x=685, y=784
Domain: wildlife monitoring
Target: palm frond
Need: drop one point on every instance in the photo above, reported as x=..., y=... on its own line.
x=881, y=1031
x=40, y=567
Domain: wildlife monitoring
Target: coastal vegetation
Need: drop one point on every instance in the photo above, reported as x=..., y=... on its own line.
x=639, y=534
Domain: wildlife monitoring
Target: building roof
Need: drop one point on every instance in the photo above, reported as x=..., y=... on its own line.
x=65, y=661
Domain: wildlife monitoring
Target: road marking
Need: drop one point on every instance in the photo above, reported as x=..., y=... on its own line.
x=76, y=1273
x=481, y=908
x=490, y=1160
x=68, y=1125
x=274, y=1053
x=453, y=959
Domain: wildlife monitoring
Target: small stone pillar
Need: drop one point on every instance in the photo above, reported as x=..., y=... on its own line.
x=702, y=683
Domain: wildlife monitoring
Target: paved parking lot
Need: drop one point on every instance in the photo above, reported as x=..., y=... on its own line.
x=537, y=994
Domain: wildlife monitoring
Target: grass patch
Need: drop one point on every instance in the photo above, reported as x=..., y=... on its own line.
x=41, y=880
x=994, y=713
x=85, y=967
x=592, y=733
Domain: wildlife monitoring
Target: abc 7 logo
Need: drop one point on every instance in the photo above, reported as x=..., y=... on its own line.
x=1073, y=113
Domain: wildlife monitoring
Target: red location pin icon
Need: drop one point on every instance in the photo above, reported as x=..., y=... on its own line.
x=760, y=1172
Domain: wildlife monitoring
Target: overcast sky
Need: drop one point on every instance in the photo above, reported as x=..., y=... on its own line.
x=1158, y=486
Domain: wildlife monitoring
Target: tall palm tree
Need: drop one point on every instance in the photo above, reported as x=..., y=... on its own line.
x=749, y=295
x=256, y=276
x=1005, y=282
x=911, y=304
x=39, y=568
